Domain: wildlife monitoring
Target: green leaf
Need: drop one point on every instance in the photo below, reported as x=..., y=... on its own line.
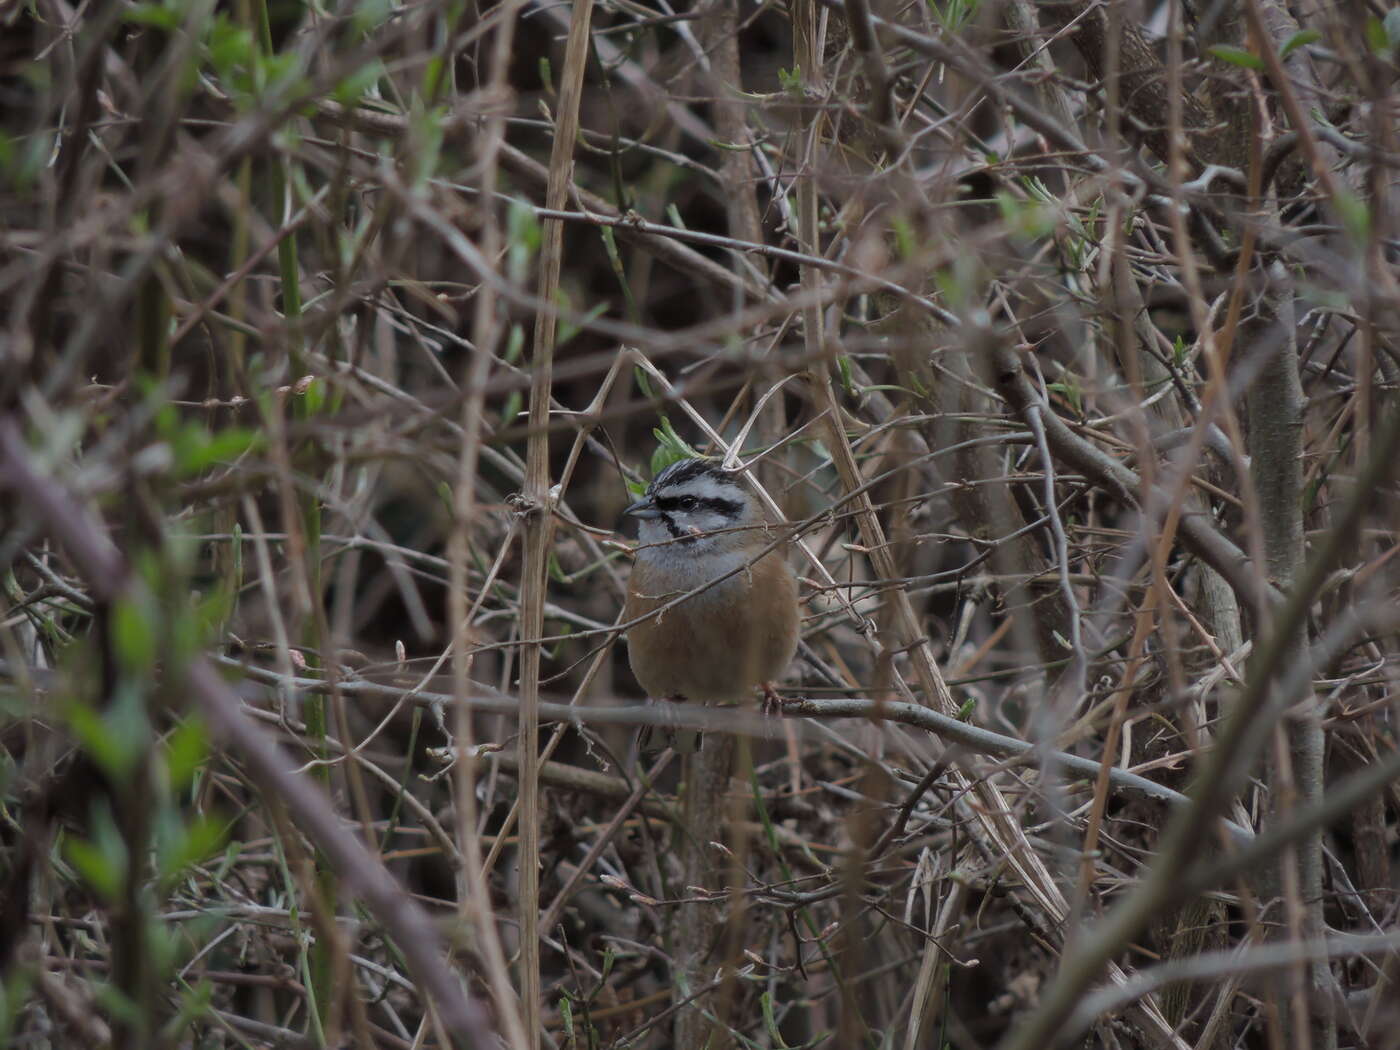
x=955, y=13
x=102, y=859
x=554, y=570
x=662, y=458
x=22, y=159
x=196, y=449
x=619, y=269
x=511, y=409
x=115, y=1002
x=127, y=730
x=273, y=74
x=1377, y=39
x=156, y=15
x=350, y=90
x=91, y=731
x=1354, y=213
x=515, y=343
x=102, y=878
x=1037, y=189
x=315, y=395
x=670, y=447
x=906, y=244
x=843, y=368
x=228, y=46
x=1071, y=392
x=213, y=610
x=162, y=946
x=1025, y=219
x=14, y=997
x=237, y=553
x=194, y=1005
x=371, y=14
x=432, y=76
x=770, y=1022
x=1302, y=38
x=185, y=751
x=231, y=854
x=134, y=635
x=429, y=125
x=523, y=239
x=202, y=838
x=566, y=1014
x=568, y=329
x=1236, y=56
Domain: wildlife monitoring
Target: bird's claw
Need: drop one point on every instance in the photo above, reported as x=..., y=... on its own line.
x=772, y=702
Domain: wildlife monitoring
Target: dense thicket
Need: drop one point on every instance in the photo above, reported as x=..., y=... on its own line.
x=335, y=337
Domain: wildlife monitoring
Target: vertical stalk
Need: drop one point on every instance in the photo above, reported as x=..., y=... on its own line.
x=705, y=806
x=276, y=188
x=1295, y=769
x=486, y=329
x=133, y=964
x=699, y=944
x=308, y=515
x=539, y=521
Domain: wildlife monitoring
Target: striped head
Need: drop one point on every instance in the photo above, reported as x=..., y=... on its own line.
x=692, y=507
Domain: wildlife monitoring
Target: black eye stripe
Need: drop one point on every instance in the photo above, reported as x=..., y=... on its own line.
x=715, y=503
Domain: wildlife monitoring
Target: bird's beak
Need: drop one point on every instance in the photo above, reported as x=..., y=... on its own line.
x=643, y=508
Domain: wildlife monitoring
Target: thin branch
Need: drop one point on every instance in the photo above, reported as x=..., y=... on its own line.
x=107, y=578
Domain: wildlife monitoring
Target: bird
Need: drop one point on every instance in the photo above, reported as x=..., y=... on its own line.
x=699, y=523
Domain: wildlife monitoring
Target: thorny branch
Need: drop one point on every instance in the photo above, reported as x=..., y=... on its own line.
x=1047, y=328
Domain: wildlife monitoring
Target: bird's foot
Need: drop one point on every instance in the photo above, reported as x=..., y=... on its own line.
x=772, y=702
x=683, y=741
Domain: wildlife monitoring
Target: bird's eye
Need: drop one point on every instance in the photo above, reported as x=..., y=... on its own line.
x=686, y=502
